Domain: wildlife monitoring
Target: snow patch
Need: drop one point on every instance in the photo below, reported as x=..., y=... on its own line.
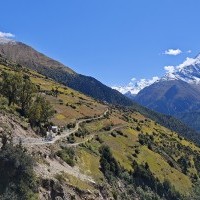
x=136, y=85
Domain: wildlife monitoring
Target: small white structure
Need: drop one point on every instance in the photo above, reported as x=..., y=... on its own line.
x=54, y=129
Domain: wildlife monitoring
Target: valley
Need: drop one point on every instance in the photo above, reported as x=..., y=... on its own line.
x=99, y=100
x=72, y=164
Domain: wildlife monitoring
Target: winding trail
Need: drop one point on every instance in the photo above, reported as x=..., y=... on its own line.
x=66, y=133
x=93, y=135
x=56, y=165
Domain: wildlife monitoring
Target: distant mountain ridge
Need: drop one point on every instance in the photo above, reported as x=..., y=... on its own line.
x=177, y=93
x=27, y=56
x=188, y=71
x=135, y=86
x=170, y=97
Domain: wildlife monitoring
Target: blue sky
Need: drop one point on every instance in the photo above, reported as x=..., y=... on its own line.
x=111, y=40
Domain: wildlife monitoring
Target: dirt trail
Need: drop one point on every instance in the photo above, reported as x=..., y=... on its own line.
x=66, y=133
x=92, y=136
x=56, y=165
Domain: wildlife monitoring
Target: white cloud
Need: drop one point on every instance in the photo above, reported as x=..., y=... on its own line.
x=169, y=69
x=133, y=79
x=189, y=51
x=173, y=52
x=6, y=35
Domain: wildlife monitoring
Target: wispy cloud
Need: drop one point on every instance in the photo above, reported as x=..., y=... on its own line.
x=173, y=52
x=169, y=69
x=6, y=35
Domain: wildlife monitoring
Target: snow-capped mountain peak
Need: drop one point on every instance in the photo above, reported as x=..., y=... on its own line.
x=188, y=71
x=135, y=85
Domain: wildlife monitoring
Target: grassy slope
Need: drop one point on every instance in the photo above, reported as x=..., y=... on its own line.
x=71, y=105
x=123, y=148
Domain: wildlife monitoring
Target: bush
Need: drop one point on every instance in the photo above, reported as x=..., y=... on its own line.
x=99, y=139
x=113, y=134
x=71, y=139
x=143, y=177
x=60, y=101
x=138, y=128
x=68, y=155
x=109, y=165
x=71, y=125
x=17, y=179
x=119, y=132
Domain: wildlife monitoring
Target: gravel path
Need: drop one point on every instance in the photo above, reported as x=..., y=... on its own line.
x=66, y=133
x=92, y=136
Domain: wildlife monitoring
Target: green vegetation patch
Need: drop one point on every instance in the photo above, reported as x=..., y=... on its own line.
x=68, y=155
x=88, y=163
x=17, y=178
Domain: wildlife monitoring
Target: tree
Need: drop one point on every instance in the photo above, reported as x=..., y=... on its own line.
x=17, y=179
x=10, y=86
x=40, y=111
x=109, y=165
x=18, y=89
x=55, y=92
x=26, y=94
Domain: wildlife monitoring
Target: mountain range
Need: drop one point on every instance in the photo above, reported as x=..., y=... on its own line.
x=13, y=53
x=100, y=150
x=177, y=93
x=26, y=56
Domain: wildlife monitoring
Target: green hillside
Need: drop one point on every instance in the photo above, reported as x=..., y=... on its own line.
x=115, y=153
x=26, y=56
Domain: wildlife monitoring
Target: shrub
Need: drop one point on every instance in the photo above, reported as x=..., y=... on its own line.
x=113, y=134
x=138, y=128
x=109, y=165
x=68, y=155
x=71, y=139
x=17, y=179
